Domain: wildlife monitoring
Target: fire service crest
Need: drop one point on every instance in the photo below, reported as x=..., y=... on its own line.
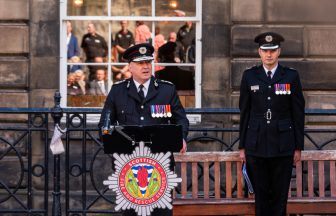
x=142, y=180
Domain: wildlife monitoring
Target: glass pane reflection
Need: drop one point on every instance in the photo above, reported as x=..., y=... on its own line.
x=175, y=8
x=87, y=8
x=131, y=8
x=85, y=92
x=182, y=34
x=92, y=39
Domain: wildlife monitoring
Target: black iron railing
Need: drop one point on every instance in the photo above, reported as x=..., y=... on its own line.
x=32, y=179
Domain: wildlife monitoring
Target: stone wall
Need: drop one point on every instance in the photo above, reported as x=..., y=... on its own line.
x=229, y=28
x=14, y=53
x=29, y=52
x=29, y=70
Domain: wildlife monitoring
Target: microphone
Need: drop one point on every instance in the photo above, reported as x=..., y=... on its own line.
x=107, y=122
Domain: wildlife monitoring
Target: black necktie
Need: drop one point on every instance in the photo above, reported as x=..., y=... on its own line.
x=141, y=92
x=269, y=75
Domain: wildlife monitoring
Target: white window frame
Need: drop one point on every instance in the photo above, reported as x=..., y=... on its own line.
x=63, y=47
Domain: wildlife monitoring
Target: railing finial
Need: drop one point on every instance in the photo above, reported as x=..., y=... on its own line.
x=56, y=114
x=57, y=111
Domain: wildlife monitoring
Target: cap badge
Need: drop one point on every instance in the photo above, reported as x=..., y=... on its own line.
x=142, y=50
x=269, y=38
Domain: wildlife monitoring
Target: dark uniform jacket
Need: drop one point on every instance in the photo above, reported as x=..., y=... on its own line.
x=271, y=125
x=126, y=108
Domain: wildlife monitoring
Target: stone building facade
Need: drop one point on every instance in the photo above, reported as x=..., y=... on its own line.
x=29, y=48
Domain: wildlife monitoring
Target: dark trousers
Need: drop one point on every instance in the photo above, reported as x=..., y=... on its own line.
x=270, y=179
x=156, y=212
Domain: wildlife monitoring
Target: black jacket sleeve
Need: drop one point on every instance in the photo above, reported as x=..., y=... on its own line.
x=179, y=114
x=298, y=109
x=244, y=106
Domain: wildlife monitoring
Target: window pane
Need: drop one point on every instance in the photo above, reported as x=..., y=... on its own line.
x=87, y=8
x=120, y=72
x=92, y=42
x=127, y=33
x=83, y=92
x=73, y=47
x=175, y=8
x=131, y=8
x=182, y=34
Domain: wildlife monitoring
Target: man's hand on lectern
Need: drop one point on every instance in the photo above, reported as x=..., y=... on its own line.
x=184, y=147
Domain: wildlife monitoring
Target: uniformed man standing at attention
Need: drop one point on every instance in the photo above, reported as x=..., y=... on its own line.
x=131, y=101
x=271, y=126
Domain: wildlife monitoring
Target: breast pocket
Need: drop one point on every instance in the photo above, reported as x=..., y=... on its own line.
x=286, y=135
x=256, y=91
x=124, y=116
x=252, y=135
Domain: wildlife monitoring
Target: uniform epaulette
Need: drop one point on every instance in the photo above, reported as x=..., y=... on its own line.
x=252, y=67
x=289, y=68
x=165, y=81
x=121, y=81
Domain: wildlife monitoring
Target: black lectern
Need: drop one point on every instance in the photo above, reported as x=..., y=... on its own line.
x=159, y=138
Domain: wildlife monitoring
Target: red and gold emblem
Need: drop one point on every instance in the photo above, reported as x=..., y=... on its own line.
x=142, y=180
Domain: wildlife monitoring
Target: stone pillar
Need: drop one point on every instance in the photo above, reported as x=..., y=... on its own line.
x=44, y=40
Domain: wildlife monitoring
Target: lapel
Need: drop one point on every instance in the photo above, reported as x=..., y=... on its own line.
x=106, y=87
x=261, y=74
x=71, y=41
x=98, y=89
x=278, y=75
x=132, y=91
x=152, y=90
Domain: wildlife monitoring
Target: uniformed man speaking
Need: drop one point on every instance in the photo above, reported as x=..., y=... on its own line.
x=131, y=101
x=271, y=126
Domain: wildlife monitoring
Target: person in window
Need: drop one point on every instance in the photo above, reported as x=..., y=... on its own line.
x=130, y=101
x=179, y=50
x=72, y=49
x=271, y=126
x=191, y=52
x=99, y=85
x=121, y=74
x=185, y=35
x=159, y=40
x=72, y=87
x=94, y=46
x=182, y=79
x=123, y=39
x=80, y=81
x=142, y=33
